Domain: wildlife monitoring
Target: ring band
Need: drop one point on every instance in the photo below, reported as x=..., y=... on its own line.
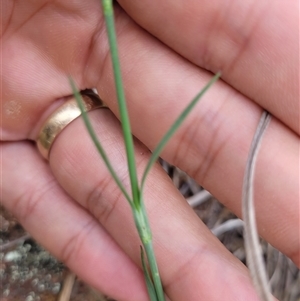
x=63, y=116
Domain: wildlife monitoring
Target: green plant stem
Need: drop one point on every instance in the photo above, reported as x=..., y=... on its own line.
x=139, y=212
x=148, y=279
x=157, y=151
x=110, y=26
x=142, y=224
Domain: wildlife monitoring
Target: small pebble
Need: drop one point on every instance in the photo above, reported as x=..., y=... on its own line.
x=34, y=282
x=6, y=292
x=12, y=256
x=56, y=288
x=41, y=287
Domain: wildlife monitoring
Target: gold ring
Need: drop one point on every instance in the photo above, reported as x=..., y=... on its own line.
x=63, y=116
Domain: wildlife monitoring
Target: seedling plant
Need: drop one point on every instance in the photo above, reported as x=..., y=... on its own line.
x=135, y=197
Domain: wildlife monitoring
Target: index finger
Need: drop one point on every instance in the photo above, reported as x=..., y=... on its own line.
x=255, y=44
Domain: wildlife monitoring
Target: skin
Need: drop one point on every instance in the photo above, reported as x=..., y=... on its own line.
x=168, y=49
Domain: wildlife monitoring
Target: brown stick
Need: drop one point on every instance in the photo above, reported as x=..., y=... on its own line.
x=66, y=290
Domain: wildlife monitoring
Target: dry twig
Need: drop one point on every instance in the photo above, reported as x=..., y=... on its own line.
x=253, y=250
x=14, y=243
x=66, y=290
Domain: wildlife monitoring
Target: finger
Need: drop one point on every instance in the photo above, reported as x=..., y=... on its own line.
x=36, y=63
x=212, y=145
x=30, y=192
x=185, y=248
x=255, y=45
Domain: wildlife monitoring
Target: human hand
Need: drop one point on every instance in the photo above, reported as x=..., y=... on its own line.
x=42, y=45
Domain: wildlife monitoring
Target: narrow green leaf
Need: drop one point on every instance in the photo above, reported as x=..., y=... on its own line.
x=97, y=143
x=149, y=283
x=174, y=128
x=107, y=7
x=110, y=26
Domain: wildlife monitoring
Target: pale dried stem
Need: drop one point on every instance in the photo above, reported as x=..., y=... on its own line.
x=67, y=288
x=14, y=243
x=254, y=256
x=231, y=224
x=199, y=198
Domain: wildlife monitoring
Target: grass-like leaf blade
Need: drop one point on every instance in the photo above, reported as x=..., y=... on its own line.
x=156, y=153
x=96, y=142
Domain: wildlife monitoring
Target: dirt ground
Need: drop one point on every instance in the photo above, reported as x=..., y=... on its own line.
x=30, y=273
